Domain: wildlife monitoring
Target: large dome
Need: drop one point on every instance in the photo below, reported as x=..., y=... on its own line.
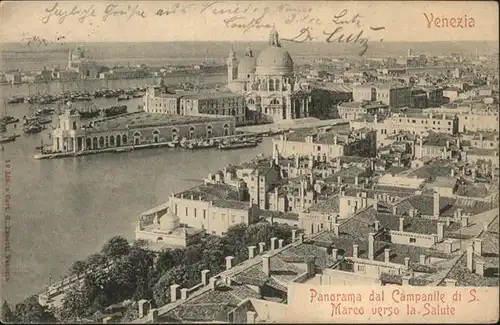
x=274, y=60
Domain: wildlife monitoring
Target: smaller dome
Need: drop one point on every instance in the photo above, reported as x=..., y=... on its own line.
x=169, y=221
x=247, y=65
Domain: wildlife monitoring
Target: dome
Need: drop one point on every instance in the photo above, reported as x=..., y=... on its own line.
x=274, y=60
x=169, y=221
x=246, y=66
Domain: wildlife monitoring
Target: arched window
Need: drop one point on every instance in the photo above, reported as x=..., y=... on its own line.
x=226, y=129
x=251, y=101
x=175, y=134
x=124, y=139
x=191, y=132
x=88, y=144
x=233, y=112
x=156, y=136
x=209, y=131
x=112, y=140
x=277, y=84
x=94, y=143
x=275, y=102
x=101, y=142
x=271, y=85
x=137, y=138
x=118, y=140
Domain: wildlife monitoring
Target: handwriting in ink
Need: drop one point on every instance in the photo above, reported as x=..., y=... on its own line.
x=62, y=14
x=236, y=10
x=304, y=36
x=340, y=19
x=174, y=10
x=131, y=11
x=339, y=37
x=241, y=22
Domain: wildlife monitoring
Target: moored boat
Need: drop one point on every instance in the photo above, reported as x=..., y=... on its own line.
x=8, y=138
x=240, y=145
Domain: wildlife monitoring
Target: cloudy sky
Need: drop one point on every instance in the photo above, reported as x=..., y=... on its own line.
x=81, y=21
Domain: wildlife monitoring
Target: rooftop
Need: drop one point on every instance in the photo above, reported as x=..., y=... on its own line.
x=142, y=119
x=210, y=192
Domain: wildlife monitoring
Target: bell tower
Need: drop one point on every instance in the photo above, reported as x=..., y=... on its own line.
x=232, y=67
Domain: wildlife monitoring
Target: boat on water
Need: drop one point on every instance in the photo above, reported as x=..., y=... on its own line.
x=8, y=138
x=9, y=119
x=238, y=145
x=33, y=128
x=15, y=100
x=44, y=119
x=123, y=97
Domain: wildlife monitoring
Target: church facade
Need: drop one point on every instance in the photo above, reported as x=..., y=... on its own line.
x=271, y=88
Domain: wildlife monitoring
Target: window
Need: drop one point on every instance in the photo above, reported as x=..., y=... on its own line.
x=204, y=214
x=319, y=148
x=186, y=211
x=413, y=240
x=194, y=211
x=233, y=219
x=361, y=268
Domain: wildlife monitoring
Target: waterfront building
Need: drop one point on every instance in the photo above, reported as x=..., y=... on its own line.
x=271, y=87
x=86, y=68
x=327, y=145
x=13, y=77
x=124, y=73
x=158, y=99
x=139, y=128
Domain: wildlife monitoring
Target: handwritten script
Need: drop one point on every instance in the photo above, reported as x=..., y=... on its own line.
x=341, y=27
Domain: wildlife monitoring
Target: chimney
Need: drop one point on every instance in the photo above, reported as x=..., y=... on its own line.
x=213, y=283
x=406, y=280
x=448, y=244
x=262, y=245
x=184, y=293
x=407, y=262
x=485, y=226
x=251, y=252
x=294, y=235
x=411, y=213
x=335, y=254
x=480, y=268
x=251, y=317
x=478, y=246
x=311, y=265
x=153, y=316
x=335, y=219
x=204, y=277
x=355, y=251
x=371, y=242
x=470, y=257
x=356, y=180
x=273, y=243
x=144, y=307
x=401, y=223
x=339, y=179
x=452, y=172
x=377, y=225
x=450, y=282
x=387, y=255
x=448, y=222
x=280, y=243
x=336, y=229
x=173, y=292
x=266, y=264
x=423, y=259
x=229, y=262
x=436, y=205
x=301, y=238
x=375, y=204
x=440, y=231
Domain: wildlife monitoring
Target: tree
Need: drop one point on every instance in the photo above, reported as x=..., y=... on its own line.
x=161, y=291
x=7, y=315
x=76, y=303
x=95, y=260
x=30, y=311
x=116, y=247
x=78, y=267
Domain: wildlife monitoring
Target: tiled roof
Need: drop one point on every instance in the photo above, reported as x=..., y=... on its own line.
x=399, y=252
x=330, y=205
x=425, y=205
x=210, y=192
x=231, y=204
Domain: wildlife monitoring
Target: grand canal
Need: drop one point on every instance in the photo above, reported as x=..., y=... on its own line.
x=64, y=209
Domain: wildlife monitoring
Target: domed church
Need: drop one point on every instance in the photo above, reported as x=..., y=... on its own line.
x=269, y=83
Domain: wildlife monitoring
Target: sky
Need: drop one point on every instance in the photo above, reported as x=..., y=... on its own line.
x=135, y=21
